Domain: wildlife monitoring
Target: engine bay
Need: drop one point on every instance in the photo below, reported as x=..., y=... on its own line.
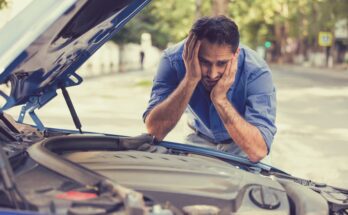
x=60, y=172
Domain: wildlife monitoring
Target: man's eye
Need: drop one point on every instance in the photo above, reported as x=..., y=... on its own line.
x=222, y=64
x=204, y=63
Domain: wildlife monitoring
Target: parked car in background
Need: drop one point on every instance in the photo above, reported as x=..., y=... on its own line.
x=58, y=171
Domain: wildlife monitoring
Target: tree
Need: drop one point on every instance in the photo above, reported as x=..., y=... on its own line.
x=167, y=21
x=285, y=21
x=219, y=7
x=291, y=25
x=198, y=8
x=3, y=3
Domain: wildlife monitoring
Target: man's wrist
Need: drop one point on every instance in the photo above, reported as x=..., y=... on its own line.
x=219, y=100
x=223, y=105
x=191, y=80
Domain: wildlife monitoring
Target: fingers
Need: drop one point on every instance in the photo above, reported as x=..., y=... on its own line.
x=235, y=59
x=186, y=46
x=192, y=46
x=231, y=69
x=196, y=50
x=233, y=64
x=228, y=70
x=188, y=52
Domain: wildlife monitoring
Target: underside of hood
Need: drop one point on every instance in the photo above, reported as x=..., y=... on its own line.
x=43, y=46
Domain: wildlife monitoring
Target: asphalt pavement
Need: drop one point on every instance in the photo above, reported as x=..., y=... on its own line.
x=312, y=139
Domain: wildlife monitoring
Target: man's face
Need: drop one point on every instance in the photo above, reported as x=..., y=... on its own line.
x=213, y=59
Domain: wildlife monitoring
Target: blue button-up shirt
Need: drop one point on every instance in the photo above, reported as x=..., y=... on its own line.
x=252, y=94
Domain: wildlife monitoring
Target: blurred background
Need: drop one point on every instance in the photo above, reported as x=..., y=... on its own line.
x=305, y=43
x=305, y=32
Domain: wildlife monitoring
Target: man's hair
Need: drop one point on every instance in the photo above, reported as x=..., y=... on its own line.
x=217, y=30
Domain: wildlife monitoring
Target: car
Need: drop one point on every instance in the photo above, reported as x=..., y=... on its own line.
x=59, y=171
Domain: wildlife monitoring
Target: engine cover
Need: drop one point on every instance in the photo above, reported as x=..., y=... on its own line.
x=186, y=181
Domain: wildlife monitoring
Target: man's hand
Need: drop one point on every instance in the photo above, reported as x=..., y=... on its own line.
x=247, y=136
x=163, y=117
x=190, y=56
x=219, y=91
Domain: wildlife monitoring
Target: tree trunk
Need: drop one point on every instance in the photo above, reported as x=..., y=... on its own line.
x=278, y=42
x=121, y=65
x=220, y=7
x=198, y=9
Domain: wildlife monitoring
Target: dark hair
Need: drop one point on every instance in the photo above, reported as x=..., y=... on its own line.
x=217, y=29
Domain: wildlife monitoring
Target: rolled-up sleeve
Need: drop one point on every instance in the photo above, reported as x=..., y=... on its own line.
x=261, y=104
x=164, y=83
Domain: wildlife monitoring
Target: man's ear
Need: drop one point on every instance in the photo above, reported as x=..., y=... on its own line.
x=236, y=53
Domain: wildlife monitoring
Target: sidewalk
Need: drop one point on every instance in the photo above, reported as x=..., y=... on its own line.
x=338, y=73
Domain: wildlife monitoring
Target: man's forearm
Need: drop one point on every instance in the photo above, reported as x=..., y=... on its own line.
x=162, y=118
x=245, y=135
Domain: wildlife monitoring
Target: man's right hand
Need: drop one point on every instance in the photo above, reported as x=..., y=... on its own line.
x=163, y=117
x=190, y=57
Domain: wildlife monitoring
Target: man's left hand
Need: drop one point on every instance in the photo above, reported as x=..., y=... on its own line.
x=219, y=91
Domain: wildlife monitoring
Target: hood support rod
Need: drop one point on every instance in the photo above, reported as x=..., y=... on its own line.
x=72, y=109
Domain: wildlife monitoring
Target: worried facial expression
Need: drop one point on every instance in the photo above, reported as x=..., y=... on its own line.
x=213, y=59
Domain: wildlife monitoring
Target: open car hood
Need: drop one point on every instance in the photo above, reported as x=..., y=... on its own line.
x=44, y=45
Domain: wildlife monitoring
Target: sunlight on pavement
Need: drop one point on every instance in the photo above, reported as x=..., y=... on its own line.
x=289, y=94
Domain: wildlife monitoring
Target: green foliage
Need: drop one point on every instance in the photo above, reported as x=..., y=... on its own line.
x=167, y=21
x=258, y=20
x=3, y=3
x=143, y=22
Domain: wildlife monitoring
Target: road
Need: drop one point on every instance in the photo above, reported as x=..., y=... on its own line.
x=312, y=138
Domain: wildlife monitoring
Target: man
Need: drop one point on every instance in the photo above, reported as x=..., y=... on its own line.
x=142, y=56
x=227, y=89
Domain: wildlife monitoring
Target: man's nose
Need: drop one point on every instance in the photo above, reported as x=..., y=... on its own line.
x=214, y=73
